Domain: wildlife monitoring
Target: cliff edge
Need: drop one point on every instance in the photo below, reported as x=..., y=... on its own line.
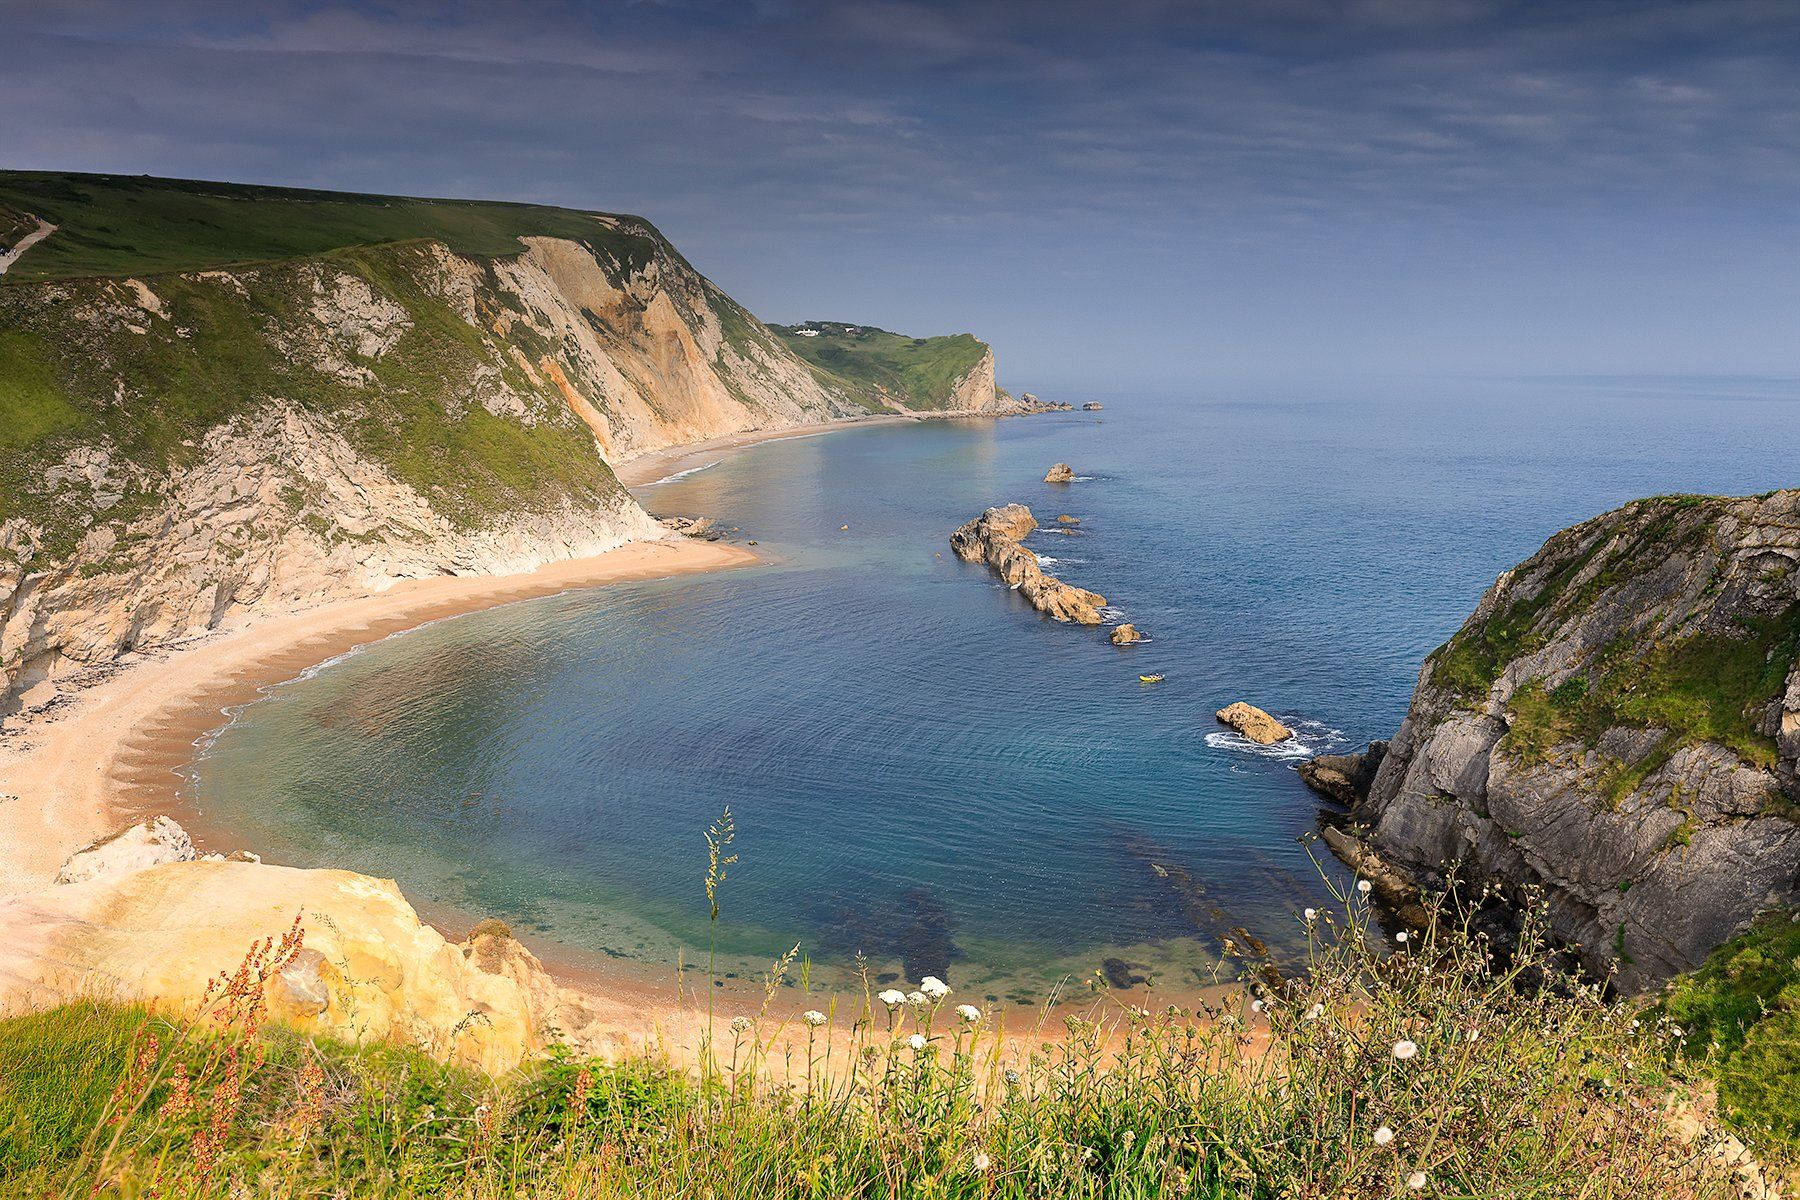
x=1618, y=722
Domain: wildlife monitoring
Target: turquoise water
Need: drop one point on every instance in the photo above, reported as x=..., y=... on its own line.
x=922, y=769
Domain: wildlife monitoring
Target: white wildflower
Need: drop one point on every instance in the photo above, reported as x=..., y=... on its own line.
x=933, y=987
x=1256, y=1006
x=813, y=1017
x=893, y=998
x=1401, y=937
x=1416, y=1181
x=1362, y=885
x=968, y=1012
x=981, y=1160
x=1312, y=914
x=1471, y=1034
x=741, y=1024
x=916, y=1041
x=917, y=999
x=1315, y=1012
x=1383, y=1136
x=1404, y=1049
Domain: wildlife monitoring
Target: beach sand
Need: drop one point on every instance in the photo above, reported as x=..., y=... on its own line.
x=660, y=464
x=77, y=771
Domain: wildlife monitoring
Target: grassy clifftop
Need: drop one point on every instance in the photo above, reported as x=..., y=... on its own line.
x=112, y=225
x=916, y=372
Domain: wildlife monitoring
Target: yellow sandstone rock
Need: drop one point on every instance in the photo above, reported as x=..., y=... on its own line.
x=1254, y=723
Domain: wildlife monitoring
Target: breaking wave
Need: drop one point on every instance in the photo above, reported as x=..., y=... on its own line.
x=1311, y=739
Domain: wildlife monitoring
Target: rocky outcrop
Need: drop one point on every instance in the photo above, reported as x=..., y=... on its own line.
x=1125, y=635
x=994, y=538
x=367, y=967
x=1066, y=519
x=1254, y=723
x=147, y=844
x=1060, y=473
x=1092, y=406
x=1345, y=778
x=1617, y=724
x=703, y=528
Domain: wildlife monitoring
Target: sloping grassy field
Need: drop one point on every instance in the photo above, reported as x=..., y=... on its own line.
x=917, y=372
x=113, y=225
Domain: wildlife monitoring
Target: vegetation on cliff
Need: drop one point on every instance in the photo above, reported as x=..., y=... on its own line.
x=889, y=368
x=1428, y=1069
x=1740, y=1017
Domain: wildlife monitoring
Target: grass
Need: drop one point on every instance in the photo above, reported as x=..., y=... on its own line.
x=1429, y=1068
x=113, y=225
x=916, y=372
x=150, y=395
x=1740, y=1015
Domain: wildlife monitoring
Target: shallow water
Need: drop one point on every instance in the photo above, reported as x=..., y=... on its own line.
x=922, y=769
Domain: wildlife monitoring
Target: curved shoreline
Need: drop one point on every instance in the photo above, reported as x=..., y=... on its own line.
x=75, y=772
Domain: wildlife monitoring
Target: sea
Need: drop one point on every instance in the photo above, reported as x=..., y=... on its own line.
x=923, y=775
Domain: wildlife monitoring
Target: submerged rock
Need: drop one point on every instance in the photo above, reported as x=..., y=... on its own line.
x=1125, y=635
x=1254, y=723
x=1092, y=406
x=994, y=538
x=1060, y=473
x=703, y=528
x=1066, y=519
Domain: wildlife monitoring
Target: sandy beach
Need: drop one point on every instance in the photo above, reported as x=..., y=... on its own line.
x=660, y=464
x=75, y=772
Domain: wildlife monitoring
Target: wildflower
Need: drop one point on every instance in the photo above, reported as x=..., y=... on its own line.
x=813, y=1017
x=1404, y=1049
x=981, y=1160
x=1256, y=1006
x=1315, y=1012
x=916, y=1041
x=933, y=987
x=1471, y=1034
x=1383, y=1136
x=968, y=1012
x=1312, y=914
x=917, y=999
x=1362, y=885
x=1012, y=1077
x=741, y=1025
x=1416, y=1181
x=1401, y=937
x=893, y=998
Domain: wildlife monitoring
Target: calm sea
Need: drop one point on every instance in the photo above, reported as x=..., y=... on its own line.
x=923, y=770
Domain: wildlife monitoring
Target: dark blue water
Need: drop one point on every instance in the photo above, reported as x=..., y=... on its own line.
x=922, y=769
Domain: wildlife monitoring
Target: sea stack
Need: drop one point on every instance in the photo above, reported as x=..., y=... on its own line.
x=1060, y=473
x=1254, y=723
x=994, y=538
x=1125, y=635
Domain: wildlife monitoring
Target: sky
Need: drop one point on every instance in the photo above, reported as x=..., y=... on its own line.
x=1131, y=195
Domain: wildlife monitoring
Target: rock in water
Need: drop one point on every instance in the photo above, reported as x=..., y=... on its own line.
x=703, y=528
x=1124, y=635
x=1060, y=473
x=994, y=538
x=1254, y=723
x=1092, y=406
x=1344, y=777
x=1066, y=519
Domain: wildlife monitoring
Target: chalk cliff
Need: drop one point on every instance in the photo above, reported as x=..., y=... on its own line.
x=217, y=400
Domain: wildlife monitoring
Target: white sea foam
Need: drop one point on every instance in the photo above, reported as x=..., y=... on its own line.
x=684, y=474
x=1311, y=739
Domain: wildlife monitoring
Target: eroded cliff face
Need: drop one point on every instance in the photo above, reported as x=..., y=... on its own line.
x=194, y=447
x=1618, y=723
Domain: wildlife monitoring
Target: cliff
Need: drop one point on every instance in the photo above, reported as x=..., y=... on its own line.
x=1617, y=723
x=216, y=399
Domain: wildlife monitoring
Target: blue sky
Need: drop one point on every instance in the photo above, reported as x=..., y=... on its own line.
x=1138, y=194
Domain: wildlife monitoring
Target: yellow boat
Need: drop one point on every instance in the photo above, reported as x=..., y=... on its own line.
x=1150, y=678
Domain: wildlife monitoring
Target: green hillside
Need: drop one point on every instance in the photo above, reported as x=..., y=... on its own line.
x=112, y=225
x=918, y=372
